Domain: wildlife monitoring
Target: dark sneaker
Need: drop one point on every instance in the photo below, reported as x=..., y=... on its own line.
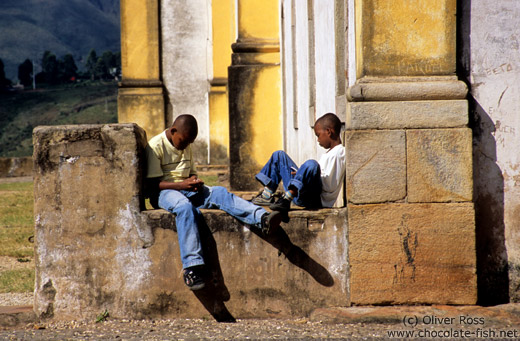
x=270, y=222
x=281, y=204
x=261, y=201
x=193, y=278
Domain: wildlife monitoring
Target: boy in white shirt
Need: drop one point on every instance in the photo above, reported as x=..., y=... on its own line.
x=316, y=183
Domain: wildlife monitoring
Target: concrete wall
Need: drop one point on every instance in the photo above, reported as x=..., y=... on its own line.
x=97, y=250
x=186, y=50
x=490, y=60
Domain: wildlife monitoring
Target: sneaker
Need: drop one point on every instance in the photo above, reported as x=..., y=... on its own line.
x=193, y=278
x=261, y=201
x=270, y=222
x=281, y=204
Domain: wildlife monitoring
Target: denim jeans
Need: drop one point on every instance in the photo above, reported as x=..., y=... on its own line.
x=307, y=178
x=185, y=205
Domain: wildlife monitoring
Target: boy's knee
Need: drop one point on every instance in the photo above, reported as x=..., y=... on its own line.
x=279, y=153
x=310, y=165
x=184, y=207
x=218, y=191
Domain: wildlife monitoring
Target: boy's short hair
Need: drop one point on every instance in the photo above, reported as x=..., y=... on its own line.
x=330, y=121
x=187, y=123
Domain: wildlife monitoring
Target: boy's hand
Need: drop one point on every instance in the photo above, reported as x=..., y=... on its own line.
x=193, y=183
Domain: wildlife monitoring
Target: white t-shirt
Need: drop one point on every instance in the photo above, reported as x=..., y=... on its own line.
x=332, y=165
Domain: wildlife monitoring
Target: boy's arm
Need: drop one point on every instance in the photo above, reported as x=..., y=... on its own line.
x=189, y=184
x=155, y=185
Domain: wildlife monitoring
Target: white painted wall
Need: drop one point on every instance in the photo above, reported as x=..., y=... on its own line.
x=309, y=83
x=186, y=60
x=492, y=53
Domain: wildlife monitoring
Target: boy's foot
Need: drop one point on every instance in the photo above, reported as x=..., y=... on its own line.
x=261, y=201
x=270, y=222
x=283, y=205
x=193, y=278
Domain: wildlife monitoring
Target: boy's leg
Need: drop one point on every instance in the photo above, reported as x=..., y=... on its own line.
x=218, y=197
x=307, y=183
x=186, y=221
x=277, y=169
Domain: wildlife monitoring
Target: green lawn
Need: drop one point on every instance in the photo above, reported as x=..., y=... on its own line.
x=16, y=219
x=16, y=228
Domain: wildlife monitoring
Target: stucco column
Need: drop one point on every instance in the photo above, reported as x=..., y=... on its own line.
x=409, y=157
x=255, y=108
x=141, y=98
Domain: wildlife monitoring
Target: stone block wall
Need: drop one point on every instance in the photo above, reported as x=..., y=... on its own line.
x=409, y=190
x=97, y=250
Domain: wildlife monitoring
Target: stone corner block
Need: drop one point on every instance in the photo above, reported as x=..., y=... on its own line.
x=412, y=254
x=87, y=203
x=440, y=165
x=376, y=166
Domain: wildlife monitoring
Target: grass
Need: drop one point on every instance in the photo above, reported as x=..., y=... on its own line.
x=16, y=227
x=20, y=280
x=16, y=219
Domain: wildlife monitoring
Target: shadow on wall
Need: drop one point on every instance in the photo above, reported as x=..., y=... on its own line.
x=488, y=181
x=492, y=269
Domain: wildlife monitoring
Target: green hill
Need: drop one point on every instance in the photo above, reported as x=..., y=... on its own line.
x=30, y=27
x=82, y=103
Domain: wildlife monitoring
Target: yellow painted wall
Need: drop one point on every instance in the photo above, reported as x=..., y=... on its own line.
x=405, y=37
x=140, y=98
x=267, y=119
x=219, y=124
x=140, y=39
x=258, y=19
x=224, y=34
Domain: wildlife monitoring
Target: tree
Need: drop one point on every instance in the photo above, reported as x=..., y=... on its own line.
x=109, y=63
x=50, y=67
x=4, y=82
x=92, y=60
x=100, y=69
x=25, y=73
x=68, y=68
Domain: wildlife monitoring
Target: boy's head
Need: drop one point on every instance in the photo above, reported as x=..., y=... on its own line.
x=327, y=129
x=183, y=131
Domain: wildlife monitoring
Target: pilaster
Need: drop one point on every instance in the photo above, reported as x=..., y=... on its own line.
x=141, y=95
x=409, y=158
x=255, y=109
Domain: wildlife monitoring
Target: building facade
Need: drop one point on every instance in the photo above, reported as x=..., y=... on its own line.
x=428, y=188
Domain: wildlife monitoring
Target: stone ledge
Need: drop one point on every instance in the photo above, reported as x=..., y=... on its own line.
x=301, y=267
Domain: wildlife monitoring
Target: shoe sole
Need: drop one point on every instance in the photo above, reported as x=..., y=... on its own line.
x=197, y=287
x=274, y=220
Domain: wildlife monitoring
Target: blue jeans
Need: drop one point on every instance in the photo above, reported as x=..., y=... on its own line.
x=307, y=179
x=185, y=205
